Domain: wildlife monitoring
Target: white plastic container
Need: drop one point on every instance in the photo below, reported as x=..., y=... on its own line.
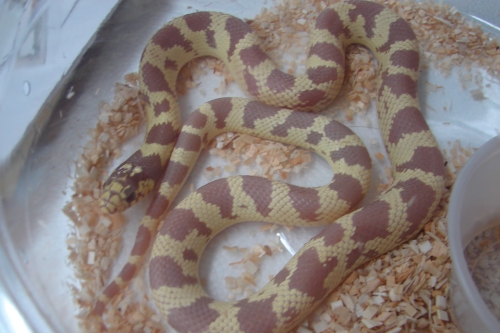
x=474, y=207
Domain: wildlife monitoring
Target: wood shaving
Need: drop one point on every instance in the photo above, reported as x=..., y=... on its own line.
x=245, y=283
x=95, y=241
x=405, y=290
x=269, y=159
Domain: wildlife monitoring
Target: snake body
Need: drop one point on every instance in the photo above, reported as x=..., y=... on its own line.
x=348, y=240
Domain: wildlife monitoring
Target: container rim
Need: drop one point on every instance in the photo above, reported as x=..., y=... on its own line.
x=459, y=265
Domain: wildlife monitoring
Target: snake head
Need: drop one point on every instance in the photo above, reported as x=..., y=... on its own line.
x=127, y=185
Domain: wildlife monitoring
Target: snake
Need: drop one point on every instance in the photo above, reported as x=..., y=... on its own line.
x=353, y=233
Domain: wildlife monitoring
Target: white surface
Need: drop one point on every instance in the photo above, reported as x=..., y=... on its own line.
x=474, y=206
x=49, y=36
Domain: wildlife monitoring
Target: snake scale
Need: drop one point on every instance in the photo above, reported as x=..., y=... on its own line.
x=351, y=236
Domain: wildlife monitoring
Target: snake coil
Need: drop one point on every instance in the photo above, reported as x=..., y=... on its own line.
x=349, y=240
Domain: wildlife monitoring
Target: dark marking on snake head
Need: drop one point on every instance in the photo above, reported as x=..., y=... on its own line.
x=131, y=197
x=132, y=172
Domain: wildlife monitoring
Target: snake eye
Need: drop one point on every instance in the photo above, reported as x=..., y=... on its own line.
x=131, y=197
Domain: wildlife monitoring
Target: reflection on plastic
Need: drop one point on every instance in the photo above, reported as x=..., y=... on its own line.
x=12, y=318
x=26, y=88
x=286, y=243
x=486, y=22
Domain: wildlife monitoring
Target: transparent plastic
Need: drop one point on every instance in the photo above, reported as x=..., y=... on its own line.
x=59, y=60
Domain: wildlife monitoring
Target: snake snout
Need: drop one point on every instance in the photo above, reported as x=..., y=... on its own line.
x=107, y=206
x=116, y=196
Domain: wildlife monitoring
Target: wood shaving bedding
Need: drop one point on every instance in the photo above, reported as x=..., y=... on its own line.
x=405, y=290
x=269, y=159
x=244, y=285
